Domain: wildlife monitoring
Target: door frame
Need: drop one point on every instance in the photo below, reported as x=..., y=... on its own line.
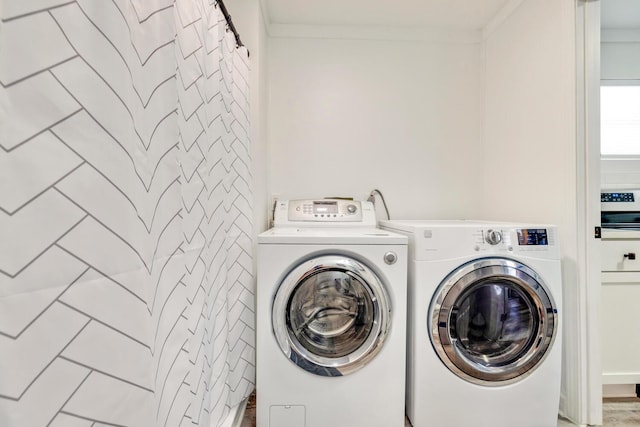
x=587, y=408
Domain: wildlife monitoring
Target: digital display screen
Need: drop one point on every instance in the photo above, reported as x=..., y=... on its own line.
x=616, y=197
x=325, y=207
x=533, y=237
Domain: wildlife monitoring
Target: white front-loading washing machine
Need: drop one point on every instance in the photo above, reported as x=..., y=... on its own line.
x=484, y=338
x=331, y=318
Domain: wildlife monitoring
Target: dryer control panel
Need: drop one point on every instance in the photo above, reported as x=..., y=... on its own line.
x=324, y=212
x=620, y=200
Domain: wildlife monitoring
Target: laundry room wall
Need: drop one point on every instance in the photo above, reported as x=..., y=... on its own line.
x=352, y=112
x=530, y=144
x=529, y=138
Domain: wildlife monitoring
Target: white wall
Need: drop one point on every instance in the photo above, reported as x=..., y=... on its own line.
x=347, y=116
x=620, y=173
x=530, y=142
x=529, y=136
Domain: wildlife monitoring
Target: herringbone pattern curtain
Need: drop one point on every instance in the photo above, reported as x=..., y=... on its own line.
x=126, y=283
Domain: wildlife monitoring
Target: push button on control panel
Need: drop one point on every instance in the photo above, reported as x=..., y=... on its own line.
x=616, y=197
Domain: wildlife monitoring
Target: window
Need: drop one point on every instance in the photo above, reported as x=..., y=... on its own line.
x=620, y=120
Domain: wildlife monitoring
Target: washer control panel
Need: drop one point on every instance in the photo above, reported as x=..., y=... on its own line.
x=328, y=213
x=325, y=210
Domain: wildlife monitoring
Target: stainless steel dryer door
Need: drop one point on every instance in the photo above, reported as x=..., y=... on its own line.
x=492, y=321
x=331, y=315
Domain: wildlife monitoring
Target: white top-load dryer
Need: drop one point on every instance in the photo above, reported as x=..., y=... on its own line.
x=484, y=337
x=331, y=318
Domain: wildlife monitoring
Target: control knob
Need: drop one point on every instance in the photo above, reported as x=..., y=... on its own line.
x=352, y=209
x=493, y=237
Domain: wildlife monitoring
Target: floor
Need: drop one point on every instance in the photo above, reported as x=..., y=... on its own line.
x=249, y=419
x=617, y=413
x=621, y=412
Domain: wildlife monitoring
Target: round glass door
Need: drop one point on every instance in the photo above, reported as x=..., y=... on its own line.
x=492, y=321
x=331, y=315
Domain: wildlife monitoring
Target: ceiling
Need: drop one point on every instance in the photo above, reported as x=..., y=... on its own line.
x=446, y=14
x=622, y=14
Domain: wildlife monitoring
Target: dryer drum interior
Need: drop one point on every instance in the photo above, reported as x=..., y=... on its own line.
x=331, y=315
x=493, y=321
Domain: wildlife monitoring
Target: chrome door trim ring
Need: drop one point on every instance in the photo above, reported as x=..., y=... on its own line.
x=465, y=277
x=327, y=366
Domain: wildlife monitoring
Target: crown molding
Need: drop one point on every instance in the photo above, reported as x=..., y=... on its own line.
x=374, y=32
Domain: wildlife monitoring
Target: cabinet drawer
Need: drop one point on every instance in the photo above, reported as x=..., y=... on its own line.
x=613, y=255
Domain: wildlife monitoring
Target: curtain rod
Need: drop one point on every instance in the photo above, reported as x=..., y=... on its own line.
x=232, y=27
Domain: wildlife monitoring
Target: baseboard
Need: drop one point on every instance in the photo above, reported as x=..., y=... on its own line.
x=625, y=378
x=618, y=390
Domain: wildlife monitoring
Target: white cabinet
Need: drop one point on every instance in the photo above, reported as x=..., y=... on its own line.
x=621, y=328
x=621, y=310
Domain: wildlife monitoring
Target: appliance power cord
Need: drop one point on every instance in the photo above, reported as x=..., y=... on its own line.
x=372, y=199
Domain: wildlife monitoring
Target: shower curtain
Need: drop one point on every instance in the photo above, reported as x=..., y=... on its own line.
x=126, y=283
